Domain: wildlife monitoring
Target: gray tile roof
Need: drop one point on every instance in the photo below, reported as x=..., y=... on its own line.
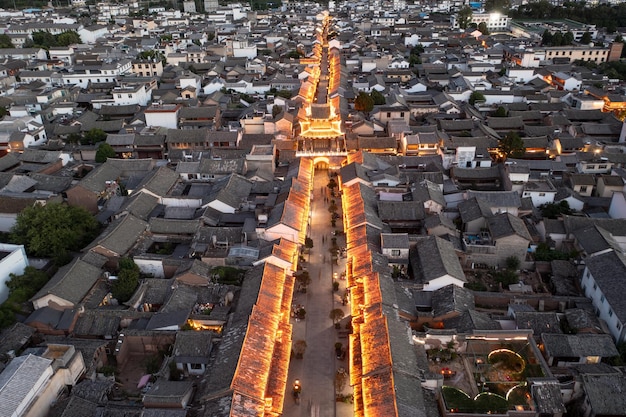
x=187, y=136
x=394, y=240
x=77, y=407
x=231, y=190
x=579, y=345
x=583, y=319
x=141, y=205
x=605, y=393
x=497, y=198
x=428, y=191
x=96, y=323
x=15, y=337
x=470, y=320
x=121, y=236
x=52, y=183
x=159, y=182
x=18, y=379
x=394, y=211
x=548, y=397
x=594, y=239
x=164, y=391
x=434, y=258
x=608, y=271
x=192, y=347
x=157, y=225
x=96, y=180
x=505, y=224
x=539, y=321
x=72, y=282
x=474, y=208
x=221, y=166
x=451, y=299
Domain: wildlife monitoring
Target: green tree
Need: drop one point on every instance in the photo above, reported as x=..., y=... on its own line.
x=5, y=41
x=555, y=210
x=464, y=17
x=586, y=38
x=568, y=38
x=294, y=54
x=74, y=138
x=364, y=102
x=497, y=5
x=104, y=152
x=476, y=96
x=23, y=287
x=546, y=38
x=94, y=136
x=414, y=56
x=44, y=39
x=482, y=27
x=336, y=314
x=512, y=145
x=53, y=230
x=276, y=110
x=512, y=263
x=500, y=112
x=152, y=55
x=67, y=38
x=127, y=280
x=378, y=98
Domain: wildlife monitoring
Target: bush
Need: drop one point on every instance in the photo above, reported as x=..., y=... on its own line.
x=475, y=286
x=506, y=277
x=107, y=370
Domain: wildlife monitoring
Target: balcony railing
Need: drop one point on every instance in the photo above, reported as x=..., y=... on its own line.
x=478, y=243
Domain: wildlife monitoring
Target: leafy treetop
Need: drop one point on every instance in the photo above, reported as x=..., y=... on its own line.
x=53, y=230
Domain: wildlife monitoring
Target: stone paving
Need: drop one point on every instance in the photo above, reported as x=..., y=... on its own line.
x=317, y=369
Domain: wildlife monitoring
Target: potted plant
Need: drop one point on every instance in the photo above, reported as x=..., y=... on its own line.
x=336, y=314
x=299, y=348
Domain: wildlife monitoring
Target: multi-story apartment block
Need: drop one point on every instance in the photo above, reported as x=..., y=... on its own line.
x=146, y=68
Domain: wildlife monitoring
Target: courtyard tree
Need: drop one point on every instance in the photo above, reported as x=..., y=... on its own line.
x=5, y=41
x=586, y=38
x=378, y=98
x=94, y=136
x=67, y=38
x=104, y=152
x=512, y=146
x=53, y=230
x=497, y=6
x=364, y=102
x=500, y=112
x=127, y=280
x=476, y=96
x=276, y=110
x=482, y=27
x=464, y=17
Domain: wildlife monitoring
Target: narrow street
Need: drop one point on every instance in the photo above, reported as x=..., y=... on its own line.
x=316, y=370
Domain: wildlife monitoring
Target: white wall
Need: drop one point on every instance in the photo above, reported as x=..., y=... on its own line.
x=14, y=263
x=540, y=198
x=150, y=266
x=601, y=304
x=7, y=221
x=617, y=209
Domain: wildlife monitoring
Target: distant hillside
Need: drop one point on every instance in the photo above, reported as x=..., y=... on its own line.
x=27, y=4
